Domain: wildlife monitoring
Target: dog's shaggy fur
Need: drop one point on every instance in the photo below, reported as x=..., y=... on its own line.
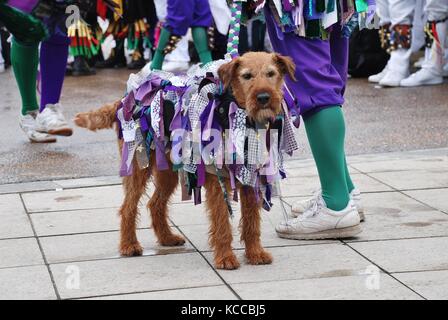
x=249, y=76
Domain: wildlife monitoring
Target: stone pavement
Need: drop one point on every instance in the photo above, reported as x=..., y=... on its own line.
x=58, y=240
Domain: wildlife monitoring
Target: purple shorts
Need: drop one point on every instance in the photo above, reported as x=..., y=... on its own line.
x=321, y=67
x=24, y=5
x=183, y=14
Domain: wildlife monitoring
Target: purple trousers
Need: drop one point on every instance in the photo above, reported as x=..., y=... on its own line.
x=183, y=14
x=321, y=67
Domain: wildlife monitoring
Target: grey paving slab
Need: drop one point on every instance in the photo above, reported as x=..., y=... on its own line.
x=19, y=252
x=333, y=288
x=74, y=199
x=392, y=215
x=198, y=235
x=303, y=186
x=82, y=221
x=415, y=179
x=103, y=245
x=26, y=283
x=432, y=285
x=127, y=275
x=406, y=255
x=435, y=198
x=300, y=262
x=437, y=163
x=27, y=187
x=14, y=221
x=88, y=182
x=202, y=293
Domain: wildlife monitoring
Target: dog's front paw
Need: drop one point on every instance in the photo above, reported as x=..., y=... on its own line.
x=172, y=241
x=259, y=257
x=131, y=250
x=229, y=262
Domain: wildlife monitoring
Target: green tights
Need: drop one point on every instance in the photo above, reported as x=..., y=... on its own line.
x=200, y=41
x=326, y=133
x=25, y=59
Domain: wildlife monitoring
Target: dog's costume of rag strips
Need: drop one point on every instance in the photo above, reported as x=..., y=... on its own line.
x=158, y=103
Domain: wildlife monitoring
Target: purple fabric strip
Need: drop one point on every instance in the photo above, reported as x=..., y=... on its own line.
x=208, y=125
x=201, y=174
x=128, y=104
x=162, y=163
x=124, y=170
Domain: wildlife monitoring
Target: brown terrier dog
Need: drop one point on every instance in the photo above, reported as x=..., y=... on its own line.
x=256, y=81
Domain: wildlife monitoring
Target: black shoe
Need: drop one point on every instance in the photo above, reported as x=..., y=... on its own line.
x=137, y=64
x=81, y=67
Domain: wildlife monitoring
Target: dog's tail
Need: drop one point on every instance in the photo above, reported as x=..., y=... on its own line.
x=103, y=118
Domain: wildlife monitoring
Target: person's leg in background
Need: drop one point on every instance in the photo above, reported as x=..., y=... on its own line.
x=401, y=14
x=179, y=59
x=53, y=63
x=2, y=61
x=180, y=17
x=24, y=60
x=436, y=27
x=382, y=9
x=258, y=35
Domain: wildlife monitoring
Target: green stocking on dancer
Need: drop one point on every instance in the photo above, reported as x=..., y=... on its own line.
x=182, y=15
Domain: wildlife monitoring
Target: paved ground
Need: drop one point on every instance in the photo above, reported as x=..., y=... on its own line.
x=379, y=120
x=58, y=240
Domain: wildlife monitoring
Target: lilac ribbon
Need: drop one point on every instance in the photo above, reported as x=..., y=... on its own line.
x=128, y=104
x=146, y=92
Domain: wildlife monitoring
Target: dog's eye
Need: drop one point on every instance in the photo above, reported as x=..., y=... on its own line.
x=270, y=74
x=247, y=76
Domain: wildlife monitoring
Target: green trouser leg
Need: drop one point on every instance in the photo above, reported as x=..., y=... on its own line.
x=326, y=133
x=350, y=185
x=159, y=55
x=24, y=60
x=200, y=39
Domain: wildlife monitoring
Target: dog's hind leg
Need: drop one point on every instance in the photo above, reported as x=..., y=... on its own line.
x=220, y=228
x=250, y=227
x=134, y=187
x=165, y=184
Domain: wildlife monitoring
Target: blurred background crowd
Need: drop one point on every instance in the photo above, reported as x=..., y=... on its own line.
x=405, y=46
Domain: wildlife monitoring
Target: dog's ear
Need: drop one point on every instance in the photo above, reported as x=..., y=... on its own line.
x=226, y=72
x=285, y=65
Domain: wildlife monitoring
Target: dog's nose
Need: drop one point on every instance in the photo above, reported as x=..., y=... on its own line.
x=263, y=98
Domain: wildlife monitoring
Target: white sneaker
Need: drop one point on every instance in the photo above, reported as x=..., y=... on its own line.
x=28, y=125
x=175, y=66
x=393, y=78
x=319, y=222
x=377, y=77
x=419, y=62
x=52, y=121
x=423, y=77
x=445, y=70
x=398, y=68
x=2, y=67
x=301, y=206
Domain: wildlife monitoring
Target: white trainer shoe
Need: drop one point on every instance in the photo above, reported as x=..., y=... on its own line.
x=419, y=62
x=2, y=67
x=175, y=66
x=28, y=125
x=393, y=78
x=301, y=206
x=52, y=121
x=377, y=77
x=398, y=68
x=319, y=222
x=423, y=77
